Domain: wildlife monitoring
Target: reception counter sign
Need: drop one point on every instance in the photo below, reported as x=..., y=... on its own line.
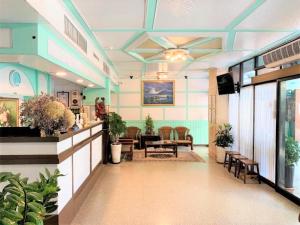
x=159, y=92
x=9, y=112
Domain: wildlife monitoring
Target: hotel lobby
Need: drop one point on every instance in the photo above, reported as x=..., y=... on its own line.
x=149, y=112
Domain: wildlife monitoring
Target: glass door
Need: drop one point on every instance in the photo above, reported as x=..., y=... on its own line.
x=288, y=146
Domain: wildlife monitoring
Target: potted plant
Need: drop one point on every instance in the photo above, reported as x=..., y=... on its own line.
x=224, y=139
x=292, y=156
x=116, y=127
x=24, y=203
x=149, y=126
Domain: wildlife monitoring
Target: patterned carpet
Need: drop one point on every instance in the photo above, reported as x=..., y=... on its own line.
x=183, y=156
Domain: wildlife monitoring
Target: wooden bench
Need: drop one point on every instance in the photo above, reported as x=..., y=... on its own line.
x=246, y=163
x=235, y=160
x=228, y=155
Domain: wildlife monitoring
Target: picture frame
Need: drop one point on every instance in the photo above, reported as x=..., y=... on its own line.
x=9, y=112
x=158, y=92
x=63, y=96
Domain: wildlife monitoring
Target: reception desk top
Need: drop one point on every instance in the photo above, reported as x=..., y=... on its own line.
x=63, y=136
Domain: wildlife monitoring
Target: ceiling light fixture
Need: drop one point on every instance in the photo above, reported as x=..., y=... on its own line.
x=61, y=73
x=79, y=81
x=176, y=54
x=91, y=85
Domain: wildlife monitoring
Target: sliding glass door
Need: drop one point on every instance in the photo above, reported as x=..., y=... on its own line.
x=288, y=146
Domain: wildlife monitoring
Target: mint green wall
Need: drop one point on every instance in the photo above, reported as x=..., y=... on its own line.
x=32, y=75
x=92, y=93
x=22, y=41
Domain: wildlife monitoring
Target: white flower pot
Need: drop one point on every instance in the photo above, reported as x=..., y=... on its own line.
x=220, y=154
x=116, y=153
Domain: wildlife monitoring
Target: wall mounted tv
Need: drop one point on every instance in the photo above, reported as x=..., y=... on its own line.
x=225, y=84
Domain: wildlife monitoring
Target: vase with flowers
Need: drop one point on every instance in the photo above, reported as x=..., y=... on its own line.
x=46, y=113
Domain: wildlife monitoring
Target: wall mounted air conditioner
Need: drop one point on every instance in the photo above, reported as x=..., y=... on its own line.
x=282, y=55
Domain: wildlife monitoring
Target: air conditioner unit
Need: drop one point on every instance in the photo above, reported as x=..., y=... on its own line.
x=282, y=55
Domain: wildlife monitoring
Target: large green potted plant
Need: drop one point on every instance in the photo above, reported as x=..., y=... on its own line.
x=149, y=126
x=24, y=203
x=224, y=139
x=116, y=127
x=292, y=156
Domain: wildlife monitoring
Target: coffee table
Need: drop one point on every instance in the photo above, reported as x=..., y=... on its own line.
x=161, y=144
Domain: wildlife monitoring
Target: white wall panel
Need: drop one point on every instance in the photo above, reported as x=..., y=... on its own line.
x=156, y=113
x=198, y=114
x=114, y=99
x=198, y=99
x=233, y=119
x=265, y=129
x=130, y=113
x=175, y=114
x=198, y=85
x=96, y=151
x=180, y=99
x=81, y=136
x=81, y=166
x=180, y=85
x=127, y=99
x=130, y=85
x=246, y=121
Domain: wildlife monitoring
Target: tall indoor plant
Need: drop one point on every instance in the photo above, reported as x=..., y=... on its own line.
x=224, y=139
x=116, y=127
x=149, y=126
x=292, y=156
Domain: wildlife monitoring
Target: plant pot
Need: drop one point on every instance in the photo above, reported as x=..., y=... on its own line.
x=220, y=154
x=289, y=176
x=116, y=152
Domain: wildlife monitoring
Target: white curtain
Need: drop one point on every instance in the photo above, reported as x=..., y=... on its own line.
x=265, y=129
x=246, y=121
x=233, y=119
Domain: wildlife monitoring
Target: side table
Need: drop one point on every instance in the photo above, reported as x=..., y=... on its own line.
x=146, y=137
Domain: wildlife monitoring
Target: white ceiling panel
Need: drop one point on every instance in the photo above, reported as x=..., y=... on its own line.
x=197, y=14
x=129, y=66
x=117, y=56
x=226, y=58
x=114, y=40
x=274, y=14
x=193, y=74
x=256, y=40
x=111, y=14
x=198, y=65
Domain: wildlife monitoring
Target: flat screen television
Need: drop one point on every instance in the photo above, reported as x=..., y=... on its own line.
x=225, y=84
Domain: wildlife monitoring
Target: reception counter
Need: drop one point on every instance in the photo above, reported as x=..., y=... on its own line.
x=78, y=156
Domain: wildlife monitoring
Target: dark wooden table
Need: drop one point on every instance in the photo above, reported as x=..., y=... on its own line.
x=146, y=137
x=161, y=144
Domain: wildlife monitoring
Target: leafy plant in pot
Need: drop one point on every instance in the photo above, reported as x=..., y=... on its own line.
x=116, y=127
x=149, y=126
x=292, y=156
x=224, y=139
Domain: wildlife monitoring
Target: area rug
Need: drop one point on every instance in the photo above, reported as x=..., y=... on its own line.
x=183, y=156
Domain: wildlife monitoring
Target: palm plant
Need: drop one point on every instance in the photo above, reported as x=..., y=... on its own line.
x=149, y=126
x=116, y=126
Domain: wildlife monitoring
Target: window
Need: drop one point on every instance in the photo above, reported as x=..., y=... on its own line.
x=259, y=62
x=235, y=70
x=247, y=71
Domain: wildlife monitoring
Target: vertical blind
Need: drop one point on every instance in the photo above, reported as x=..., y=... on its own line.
x=233, y=119
x=246, y=121
x=265, y=129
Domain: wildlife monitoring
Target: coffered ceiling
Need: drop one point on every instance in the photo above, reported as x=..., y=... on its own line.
x=217, y=33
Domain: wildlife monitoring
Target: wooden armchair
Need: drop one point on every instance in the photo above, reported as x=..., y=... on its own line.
x=127, y=148
x=165, y=133
x=182, y=137
x=133, y=133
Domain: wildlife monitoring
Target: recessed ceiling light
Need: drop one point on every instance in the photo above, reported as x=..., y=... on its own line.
x=79, y=81
x=91, y=85
x=111, y=47
x=61, y=73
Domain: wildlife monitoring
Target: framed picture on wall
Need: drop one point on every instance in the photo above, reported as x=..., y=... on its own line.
x=9, y=112
x=158, y=92
x=63, y=97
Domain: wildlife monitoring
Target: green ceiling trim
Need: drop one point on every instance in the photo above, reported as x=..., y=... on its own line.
x=136, y=55
x=146, y=50
x=118, y=30
x=150, y=14
x=136, y=36
x=69, y=4
x=203, y=50
x=164, y=42
x=198, y=42
x=230, y=40
x=248, y=11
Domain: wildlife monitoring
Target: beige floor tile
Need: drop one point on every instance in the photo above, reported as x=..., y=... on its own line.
x=181, y=193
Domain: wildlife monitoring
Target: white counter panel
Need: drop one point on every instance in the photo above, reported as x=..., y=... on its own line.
x=81, y=166
x=28, y=148
x=96, y=129
x=81, y=136
x=96, y=151
x=64, y=145
x=65, y=183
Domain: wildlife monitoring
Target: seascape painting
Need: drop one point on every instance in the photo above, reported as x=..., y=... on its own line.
x=158, y=92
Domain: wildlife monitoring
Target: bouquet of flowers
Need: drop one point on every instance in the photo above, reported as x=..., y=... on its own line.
x=46, y=113
x=4, y=116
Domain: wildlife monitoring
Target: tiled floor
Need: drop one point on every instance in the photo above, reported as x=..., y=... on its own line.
x=181, y=193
